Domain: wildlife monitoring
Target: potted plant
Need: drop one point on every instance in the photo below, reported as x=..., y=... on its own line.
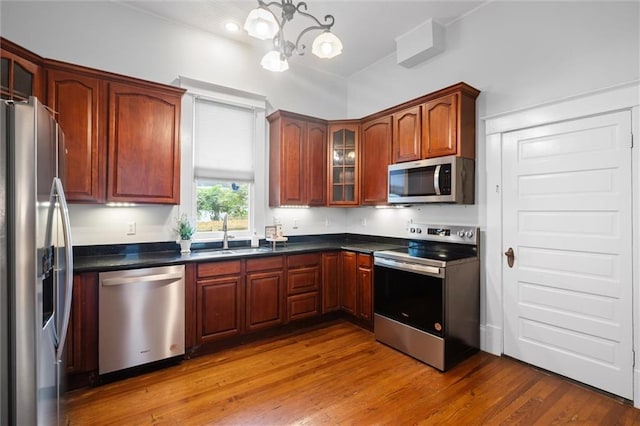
x=185, y=231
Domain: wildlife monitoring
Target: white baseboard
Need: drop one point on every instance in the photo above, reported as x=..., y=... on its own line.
x=491, y=339
x=636, y=388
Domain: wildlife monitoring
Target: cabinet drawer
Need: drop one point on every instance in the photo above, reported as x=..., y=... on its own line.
x=308, y=259
x=213, y=269
x=303, y=306
x=302, y=280
x=265, y=263
x=364, y=260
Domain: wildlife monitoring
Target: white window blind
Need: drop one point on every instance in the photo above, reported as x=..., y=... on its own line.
x=224, y=141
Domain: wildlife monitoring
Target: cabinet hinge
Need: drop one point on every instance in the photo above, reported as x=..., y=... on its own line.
x=631, y=141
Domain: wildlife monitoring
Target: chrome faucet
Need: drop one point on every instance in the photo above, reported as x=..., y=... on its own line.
x=225, y=236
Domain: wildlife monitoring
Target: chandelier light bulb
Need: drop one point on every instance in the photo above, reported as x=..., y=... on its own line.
x=326, y=45
x=274, y=61
x=261, y=24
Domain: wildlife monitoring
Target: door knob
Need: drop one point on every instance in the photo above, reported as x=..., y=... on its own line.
x=510, y=257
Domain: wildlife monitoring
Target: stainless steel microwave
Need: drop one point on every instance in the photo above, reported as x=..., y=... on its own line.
x=447, y=179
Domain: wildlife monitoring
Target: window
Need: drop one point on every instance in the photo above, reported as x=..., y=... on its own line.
x=224, y=145
x=213, y=198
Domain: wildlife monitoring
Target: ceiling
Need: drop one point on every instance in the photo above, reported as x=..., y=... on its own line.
x=368, y=29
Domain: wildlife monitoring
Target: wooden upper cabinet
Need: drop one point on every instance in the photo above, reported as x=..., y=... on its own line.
x=375, y=157
x=297, y=160
x=449, y=123
x=344, y=162
x=316, y=161
x=80, y=105
x=292, y=152
x=407, y=135
x=439, y=124
x=21, y=73
x=144, y=145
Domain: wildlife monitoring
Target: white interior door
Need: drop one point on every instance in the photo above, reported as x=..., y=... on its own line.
x=567, y=216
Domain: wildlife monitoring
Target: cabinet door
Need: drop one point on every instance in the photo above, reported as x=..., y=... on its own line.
x=365, y=293
x=344, y=160
x=439, y=127
x=348, y=290
x=144, y=145
x=331, y=274
x=19, y=77
x=303, y=306
x=406, y=135
x=315, y=172
x=303, y=280
x=292, y=154
x=375, y=157
x=82, y=335
x=264, y=298
x=218, y=308
x=78, y=100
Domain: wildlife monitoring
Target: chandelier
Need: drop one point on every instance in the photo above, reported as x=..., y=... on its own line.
x=263, y=23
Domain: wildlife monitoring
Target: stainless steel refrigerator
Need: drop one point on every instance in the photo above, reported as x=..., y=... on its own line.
x=36, y=265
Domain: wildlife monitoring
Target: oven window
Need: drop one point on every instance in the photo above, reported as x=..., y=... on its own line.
x=410, y=298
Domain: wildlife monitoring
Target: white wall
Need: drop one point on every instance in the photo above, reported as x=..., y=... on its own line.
x=116, y=38
x=518, y=54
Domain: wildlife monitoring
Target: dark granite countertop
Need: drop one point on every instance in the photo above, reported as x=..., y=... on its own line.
x=129, y=256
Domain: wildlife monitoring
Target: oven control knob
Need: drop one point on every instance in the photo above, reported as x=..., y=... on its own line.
x=419, y=230
x=412, y=230
x=461, y=234
x=469, y=234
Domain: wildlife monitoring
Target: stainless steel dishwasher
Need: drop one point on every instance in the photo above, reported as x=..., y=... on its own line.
x=141, y=317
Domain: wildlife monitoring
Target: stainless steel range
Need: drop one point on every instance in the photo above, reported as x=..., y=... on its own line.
x=427, y=296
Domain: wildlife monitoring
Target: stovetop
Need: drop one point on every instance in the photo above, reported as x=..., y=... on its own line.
x=436, y=245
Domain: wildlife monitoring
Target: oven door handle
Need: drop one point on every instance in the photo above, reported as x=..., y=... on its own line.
x=433, y=271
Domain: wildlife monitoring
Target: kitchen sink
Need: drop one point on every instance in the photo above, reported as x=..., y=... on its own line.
x=240, y=251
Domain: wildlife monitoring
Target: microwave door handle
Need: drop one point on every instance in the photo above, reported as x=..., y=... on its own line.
x=436, y=180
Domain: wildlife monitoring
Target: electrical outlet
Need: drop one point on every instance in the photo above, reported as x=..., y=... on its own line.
x=295, y=223
x=326, y=222
x=363, y=221
x=131, y=228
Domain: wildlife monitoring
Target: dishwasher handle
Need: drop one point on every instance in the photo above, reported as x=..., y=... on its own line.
x=107, y=282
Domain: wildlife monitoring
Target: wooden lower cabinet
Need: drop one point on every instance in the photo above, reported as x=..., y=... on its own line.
x=82, y=335
x=264, y=293
x=331, y=278
x=356, y=291
x=219, y=306
x=348, y=288
x=304, y=305
x=364, y=291
x=303, y=285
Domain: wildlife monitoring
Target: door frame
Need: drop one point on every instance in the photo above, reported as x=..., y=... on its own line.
x=620, y=97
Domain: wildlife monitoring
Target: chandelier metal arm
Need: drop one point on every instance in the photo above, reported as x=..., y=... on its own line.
x=288, y=10
x=300, y=48
x=325, y=26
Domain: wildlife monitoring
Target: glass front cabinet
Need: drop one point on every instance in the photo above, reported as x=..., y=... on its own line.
x=344, y=186
x=20, y=73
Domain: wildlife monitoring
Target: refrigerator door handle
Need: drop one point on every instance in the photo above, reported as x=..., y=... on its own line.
x=68, y=248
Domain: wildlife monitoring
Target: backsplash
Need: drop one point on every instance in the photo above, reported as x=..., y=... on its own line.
x=94, y=225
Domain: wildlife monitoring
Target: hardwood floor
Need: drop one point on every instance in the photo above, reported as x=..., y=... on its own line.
x=338, y=374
